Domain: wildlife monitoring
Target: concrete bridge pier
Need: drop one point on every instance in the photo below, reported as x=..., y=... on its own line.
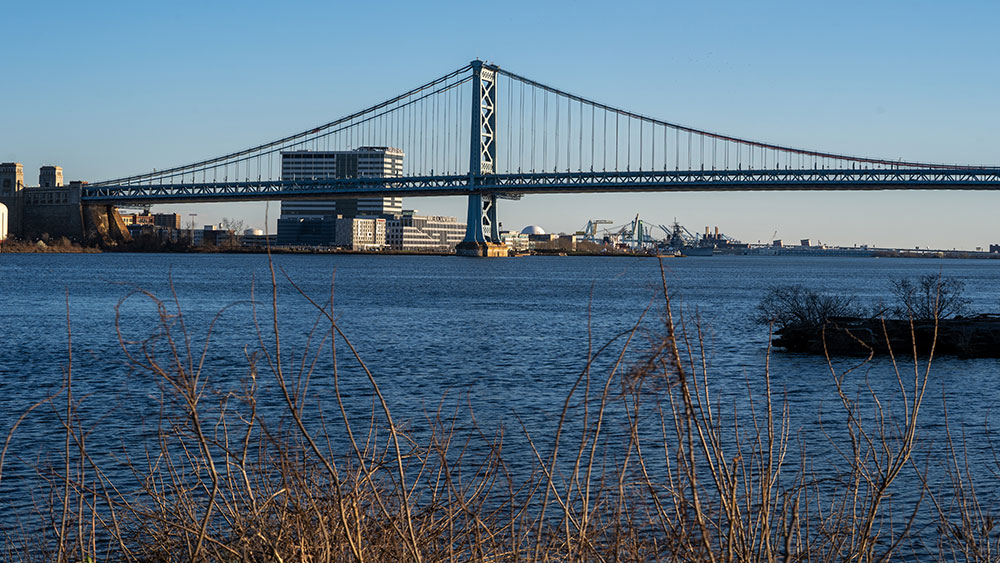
x=103, y=226
x=482, y=233
x=59, y=212
x=54, y=209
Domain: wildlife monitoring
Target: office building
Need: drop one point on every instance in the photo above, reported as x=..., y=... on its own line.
x=517, y=241
x=364, y=162
x=167, y=221
x=427, y=233
x=215, y=235
x=360, y=233
x=307, y=231
x=255, y=238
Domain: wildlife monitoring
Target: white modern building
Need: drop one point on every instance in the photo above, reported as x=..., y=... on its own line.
x=361, y=233
x=363, y=162
x=3, y=221
x=428, y=233
x=518, y=242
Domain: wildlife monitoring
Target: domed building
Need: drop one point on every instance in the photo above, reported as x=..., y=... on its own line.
x=532, y=230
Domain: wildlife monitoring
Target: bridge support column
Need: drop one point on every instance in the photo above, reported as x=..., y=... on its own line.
x=482, y=231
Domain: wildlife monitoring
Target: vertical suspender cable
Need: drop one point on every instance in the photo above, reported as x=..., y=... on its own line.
x=533, y=91
x=592, y=140
x=628, y=146
x=411, y=115
x=689, y=150
x=604, y=140
x=677, y=149
x=652, y=148
x=452, y=141
x=569, y=134
x=418, y=149
x=579, y=156
x=545, y=130
x=510, y=116
x=616, y=141
x=701, y=150
x=555, y=146
x=520, y=131
x=435, y=165
x=665, y=148
x=423, y=136
x=460, y=116
x=425, y=144
x=640, y=144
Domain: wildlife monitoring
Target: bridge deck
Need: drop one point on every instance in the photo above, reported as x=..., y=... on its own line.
x=554, y=182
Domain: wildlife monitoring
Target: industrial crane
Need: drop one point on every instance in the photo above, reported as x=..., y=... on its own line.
x=636, y=233
x=590, y=231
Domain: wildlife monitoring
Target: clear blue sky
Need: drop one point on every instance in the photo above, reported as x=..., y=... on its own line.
x=106, y=89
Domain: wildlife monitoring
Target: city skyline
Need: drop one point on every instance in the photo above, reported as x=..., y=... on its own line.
x=904, y=81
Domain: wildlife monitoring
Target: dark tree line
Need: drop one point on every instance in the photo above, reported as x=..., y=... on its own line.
x=923, y=298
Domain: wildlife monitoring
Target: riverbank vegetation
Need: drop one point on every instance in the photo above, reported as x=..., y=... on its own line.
x=928, y=314
x=643, y=462
x=61, y=244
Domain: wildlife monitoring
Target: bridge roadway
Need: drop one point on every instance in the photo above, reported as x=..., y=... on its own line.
x=553, y=183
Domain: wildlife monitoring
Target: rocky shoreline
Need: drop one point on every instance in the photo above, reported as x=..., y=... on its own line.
x=970, y=337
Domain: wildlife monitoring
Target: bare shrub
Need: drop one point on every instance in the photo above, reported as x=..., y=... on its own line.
x=689, y=477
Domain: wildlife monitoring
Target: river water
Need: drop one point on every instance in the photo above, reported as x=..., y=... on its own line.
x=507, y=336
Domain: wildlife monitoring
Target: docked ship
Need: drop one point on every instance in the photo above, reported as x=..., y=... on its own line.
x=682, y=241
x=697, y=250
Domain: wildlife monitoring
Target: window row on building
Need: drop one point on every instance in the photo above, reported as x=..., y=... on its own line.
x=35, y=196
x=363, y=223
x=163, y=220
x=404, y=232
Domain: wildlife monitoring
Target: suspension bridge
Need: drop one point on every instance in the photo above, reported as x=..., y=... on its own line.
x=487, y=133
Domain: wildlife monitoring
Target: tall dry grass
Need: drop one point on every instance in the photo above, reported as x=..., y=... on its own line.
x=224, y=478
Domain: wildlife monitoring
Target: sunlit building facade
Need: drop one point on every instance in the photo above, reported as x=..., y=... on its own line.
x=364, y=162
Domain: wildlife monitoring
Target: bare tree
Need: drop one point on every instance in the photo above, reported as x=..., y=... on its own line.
x=929, y=296
x=233, y=227
x=796, y=305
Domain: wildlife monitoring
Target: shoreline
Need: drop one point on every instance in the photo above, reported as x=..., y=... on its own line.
x=67, y=247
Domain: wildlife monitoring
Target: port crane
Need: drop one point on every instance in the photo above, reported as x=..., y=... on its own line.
x=636, y=233
x=639, y=233
x=590, y=231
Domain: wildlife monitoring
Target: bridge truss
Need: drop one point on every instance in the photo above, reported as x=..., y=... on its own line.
x=523, y=137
